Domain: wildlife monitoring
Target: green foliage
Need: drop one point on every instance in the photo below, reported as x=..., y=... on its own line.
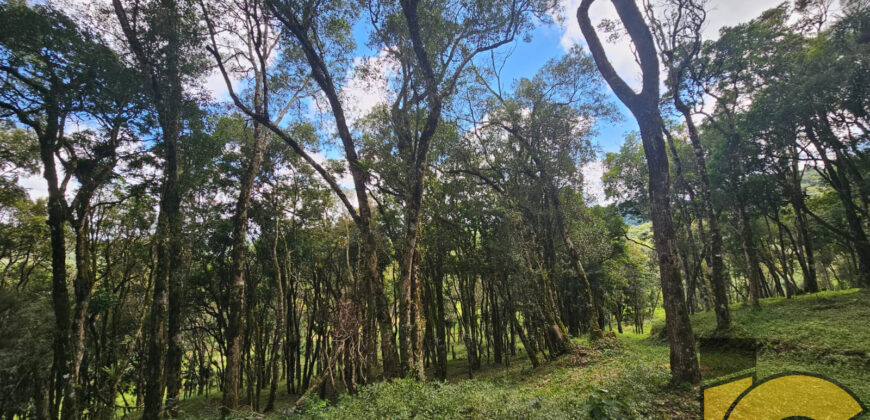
x=600, y=406
x=26, y=337
x=407, y=399
x=625, y=178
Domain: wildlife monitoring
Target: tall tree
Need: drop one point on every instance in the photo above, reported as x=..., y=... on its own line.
x=54, y=74
x=678, y=35
x=161, y=41
x=435, y=46
x=252, y=48
x=310, y=25
x=644, y=106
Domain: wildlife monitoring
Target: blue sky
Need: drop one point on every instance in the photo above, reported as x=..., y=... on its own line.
x=525, y=61
x=553, y=40
x=528, y=58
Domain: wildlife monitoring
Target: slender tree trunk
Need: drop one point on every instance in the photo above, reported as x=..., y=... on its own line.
x=389, y=354
x=718, y=278
x=154, y=385
x=750, y=257
x=410, y=312
x=808, y=262
x=237, y=291
x=440, y=325
x=591, y=309
x=59, y=291
x=41, y=399
x=175, y=352
x=279, y=322
x=71, y=403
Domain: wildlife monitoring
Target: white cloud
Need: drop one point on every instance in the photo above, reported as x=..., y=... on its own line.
x=368, y=84
x=35, y=186
x=215, y=85
x=593, y=187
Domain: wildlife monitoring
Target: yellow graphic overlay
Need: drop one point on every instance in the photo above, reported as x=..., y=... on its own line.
x=718, y=399
x=780, y=396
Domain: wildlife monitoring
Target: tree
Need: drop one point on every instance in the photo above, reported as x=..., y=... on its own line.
x=644, y=106
x=306, y=24
x=538, y=119
x=46, y=85
x=160, y=36
x=678, y=36
x=434, y=48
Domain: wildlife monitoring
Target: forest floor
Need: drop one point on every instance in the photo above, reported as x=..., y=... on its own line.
x=626, y=376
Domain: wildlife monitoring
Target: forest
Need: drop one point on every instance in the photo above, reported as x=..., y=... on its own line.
x=223, y=209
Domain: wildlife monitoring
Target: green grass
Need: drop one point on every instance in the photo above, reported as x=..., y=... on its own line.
x=830, y=321
x=825, y=333
x=628, y=376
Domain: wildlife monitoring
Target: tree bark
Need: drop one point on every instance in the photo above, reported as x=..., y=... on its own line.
x=164, y=87
x=237, y=292
x=277, y=340
x=56, y=220
x=644, y=106
x=718, y=279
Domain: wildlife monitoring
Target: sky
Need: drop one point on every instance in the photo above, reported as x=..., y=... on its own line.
x=547, y=42
x=556, y=39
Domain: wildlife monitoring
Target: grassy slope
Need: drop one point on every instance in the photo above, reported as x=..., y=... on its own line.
x=827, y=334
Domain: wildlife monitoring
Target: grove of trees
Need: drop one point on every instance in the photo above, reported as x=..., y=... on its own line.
x=285, y=238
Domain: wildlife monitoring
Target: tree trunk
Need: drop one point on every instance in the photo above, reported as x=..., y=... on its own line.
x=753, y=271
x=805, y=242
x=440, y=323
x=684, y=362
x=59, y=292
x=237, y=291
x=389, y=354
x=166, y=92
x=644, y=106
x=718, y=279
x=71, y=404
x=591, y=309
x=279, y=322
x=410, y=310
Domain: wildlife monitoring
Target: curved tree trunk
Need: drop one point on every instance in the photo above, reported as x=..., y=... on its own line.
x=644, y=106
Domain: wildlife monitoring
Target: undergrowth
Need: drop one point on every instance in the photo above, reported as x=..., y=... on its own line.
x=624, y=376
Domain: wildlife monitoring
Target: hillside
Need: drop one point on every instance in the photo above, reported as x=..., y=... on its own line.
x=624, y=375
